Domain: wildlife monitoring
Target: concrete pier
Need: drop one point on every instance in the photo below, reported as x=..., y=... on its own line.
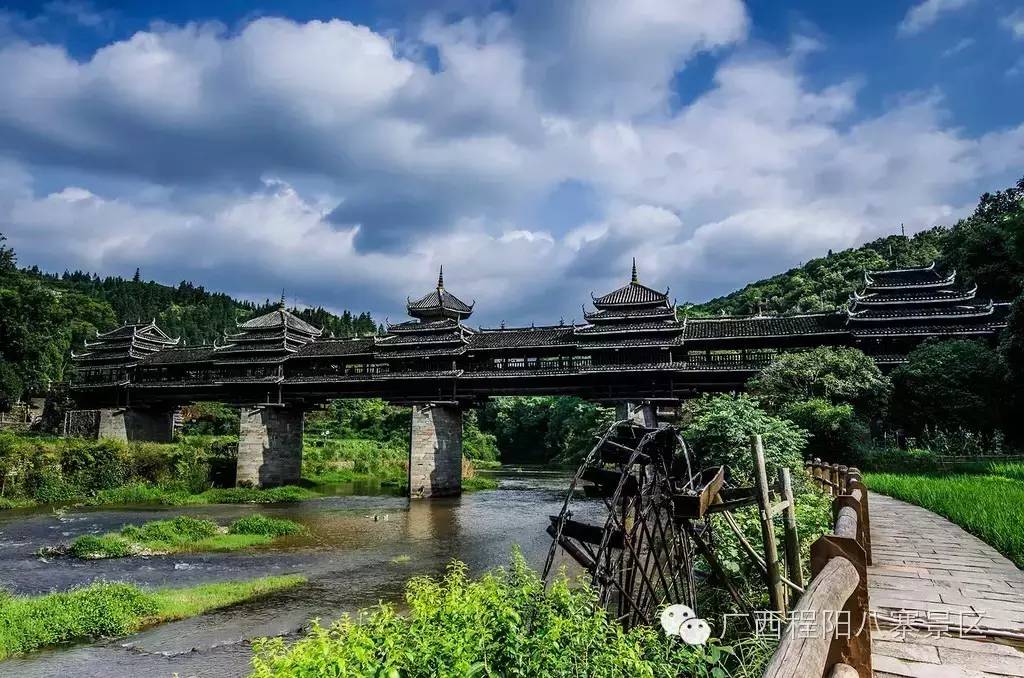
x=269, y=446
x=435, y=451
x=130, y=424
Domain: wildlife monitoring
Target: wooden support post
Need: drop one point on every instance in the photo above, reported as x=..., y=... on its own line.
x=792, y=537
x=776, y=591
x=855, y=649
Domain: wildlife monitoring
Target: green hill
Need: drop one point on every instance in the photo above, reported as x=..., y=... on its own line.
x=825, y=283
x=46, y=315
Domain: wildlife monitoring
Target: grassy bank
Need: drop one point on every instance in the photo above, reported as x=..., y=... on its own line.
x=985, y=504
x=504, y=623
x=113, y=609
x=183, y=534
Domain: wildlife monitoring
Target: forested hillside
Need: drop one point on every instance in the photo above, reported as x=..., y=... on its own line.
x=986, y=248
x=825, y=283
x=45, y=316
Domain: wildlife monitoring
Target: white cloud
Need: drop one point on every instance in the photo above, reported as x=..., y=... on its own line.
x=321, y=158
x=927, y=12
x=960, y=46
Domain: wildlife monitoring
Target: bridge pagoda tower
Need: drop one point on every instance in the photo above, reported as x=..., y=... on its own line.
x=252, y=363
x=635, y=321
x=897, y=309
x=105, y=369
x=431, y=344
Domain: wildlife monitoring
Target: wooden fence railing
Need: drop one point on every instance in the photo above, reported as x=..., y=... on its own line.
x=829, y=634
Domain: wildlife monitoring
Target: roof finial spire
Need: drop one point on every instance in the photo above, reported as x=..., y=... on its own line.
x=281, y=305
x=634, y=278
x=440, y=279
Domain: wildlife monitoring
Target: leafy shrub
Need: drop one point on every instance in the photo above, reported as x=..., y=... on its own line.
x=836, y=432
x=262, y=525
x=179, y=530
x=505, y=623
x=107, y=546
x=720, y=431
x=813, y=518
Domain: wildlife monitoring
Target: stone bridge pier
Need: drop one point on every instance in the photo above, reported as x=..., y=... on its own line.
x=435, y=451
x=269, y=446
x=133, y=423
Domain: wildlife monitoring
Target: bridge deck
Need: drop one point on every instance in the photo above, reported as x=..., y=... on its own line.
x=925, y=566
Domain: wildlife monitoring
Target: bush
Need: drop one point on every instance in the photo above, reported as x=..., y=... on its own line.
x=720, y=432
x=836, y=432
x=505, y=623
x=262, y=525
x=180, y=530
x=91, y=546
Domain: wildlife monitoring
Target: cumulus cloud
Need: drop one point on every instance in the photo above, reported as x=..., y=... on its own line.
x=345, y=165
x=927, y=12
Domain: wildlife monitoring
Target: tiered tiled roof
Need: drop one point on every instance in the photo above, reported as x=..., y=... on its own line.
x=632, y=297
x=267, y=339
x=919, y=302
x=437, y=331
x=124, y=346
x=439, y=304
x=633, y=315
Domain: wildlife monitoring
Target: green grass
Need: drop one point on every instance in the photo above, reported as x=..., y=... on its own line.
x=479, y=483
x=183, y=534
x=113, y=609
x=988, y=506
x=141, y=493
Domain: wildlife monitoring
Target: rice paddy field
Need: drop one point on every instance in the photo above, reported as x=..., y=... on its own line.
x=988, y=503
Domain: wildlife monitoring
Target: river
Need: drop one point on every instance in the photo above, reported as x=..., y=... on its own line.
x=360, y=550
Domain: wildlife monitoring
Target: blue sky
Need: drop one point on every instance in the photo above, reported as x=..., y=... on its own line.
x=344, y=150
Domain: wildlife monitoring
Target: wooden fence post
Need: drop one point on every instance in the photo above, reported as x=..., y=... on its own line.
x=776, y=592
x=833, y=471
x=856, y=649
x=792, y=537
x=864, y=523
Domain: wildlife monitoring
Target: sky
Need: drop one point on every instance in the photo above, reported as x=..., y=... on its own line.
x=343, y=151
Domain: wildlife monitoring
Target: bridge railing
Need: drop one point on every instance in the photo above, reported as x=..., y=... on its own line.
x=829, y=635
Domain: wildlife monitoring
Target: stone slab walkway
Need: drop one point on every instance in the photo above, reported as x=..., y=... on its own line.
x=926, y=567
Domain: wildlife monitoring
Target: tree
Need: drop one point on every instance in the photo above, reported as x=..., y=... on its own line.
x=835, y=375
x=720, y=433
x=950, y=385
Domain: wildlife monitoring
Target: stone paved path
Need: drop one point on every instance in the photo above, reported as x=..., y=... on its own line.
x=927, y=567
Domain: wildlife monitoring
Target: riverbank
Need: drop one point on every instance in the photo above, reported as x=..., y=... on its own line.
x=46, y=471
x=359, y=550
x=116, y=609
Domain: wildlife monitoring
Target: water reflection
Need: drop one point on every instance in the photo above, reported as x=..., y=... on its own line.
x=360, y=550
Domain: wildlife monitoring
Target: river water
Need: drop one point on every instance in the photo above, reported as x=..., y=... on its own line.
x=360, y=550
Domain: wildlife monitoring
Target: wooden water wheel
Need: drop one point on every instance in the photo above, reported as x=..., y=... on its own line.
x=633, y=519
